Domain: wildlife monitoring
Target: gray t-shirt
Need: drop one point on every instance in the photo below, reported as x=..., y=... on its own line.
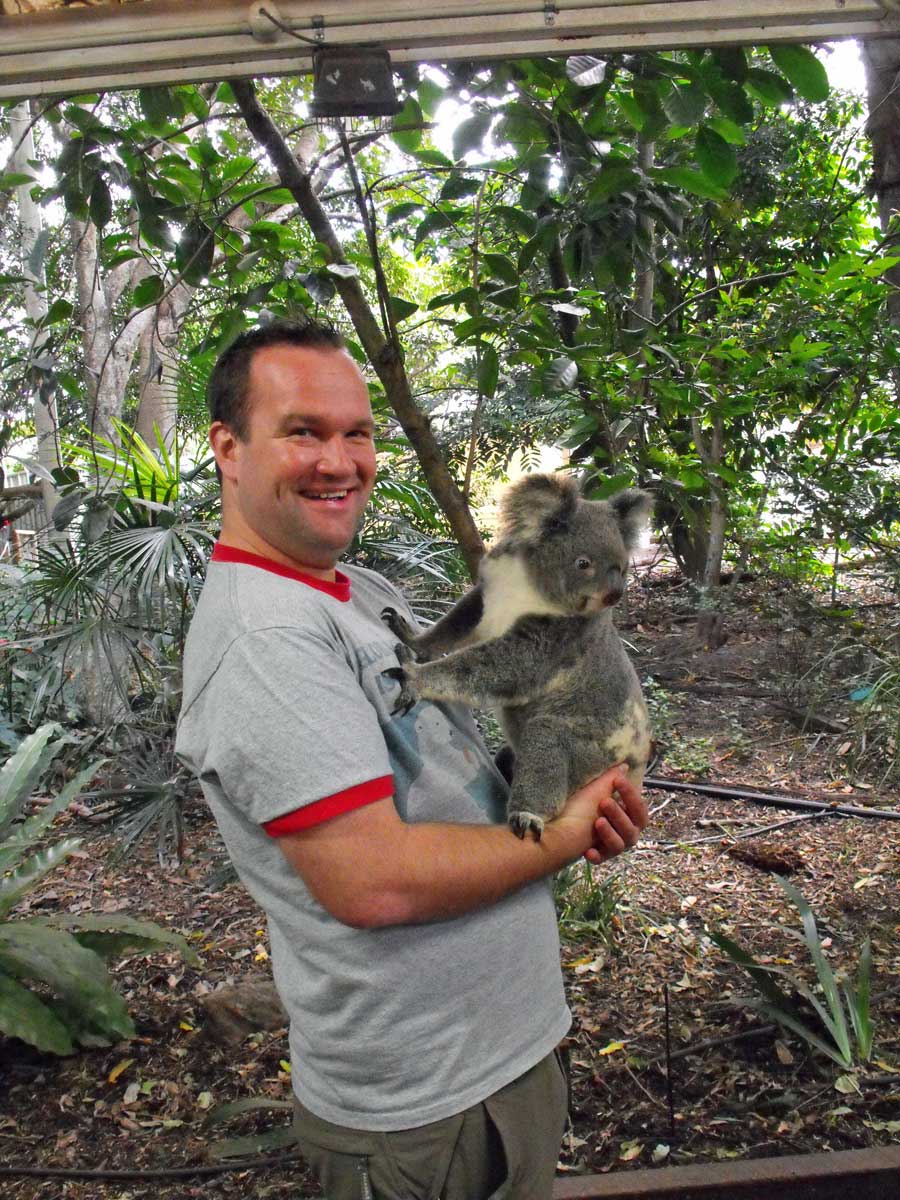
x=287, y=718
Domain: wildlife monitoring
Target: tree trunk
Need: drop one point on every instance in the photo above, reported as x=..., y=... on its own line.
x=382, y=354
x=46, y=417
x=158, y=410
x=881, y=58
x=108, y=354
x=709, y=619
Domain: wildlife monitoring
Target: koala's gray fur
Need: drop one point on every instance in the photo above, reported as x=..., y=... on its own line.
x=535, y=640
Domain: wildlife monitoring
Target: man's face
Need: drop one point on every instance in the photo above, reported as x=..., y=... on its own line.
x=302, y=477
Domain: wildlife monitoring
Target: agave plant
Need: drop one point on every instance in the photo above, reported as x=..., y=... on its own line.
x=824, y=1023
x=62, y=955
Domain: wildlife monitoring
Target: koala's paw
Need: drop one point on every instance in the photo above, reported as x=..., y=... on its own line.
x=407, y=697
x=523, y=822
x=395, y=623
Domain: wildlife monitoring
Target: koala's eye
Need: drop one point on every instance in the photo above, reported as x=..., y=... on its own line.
x=583, y=564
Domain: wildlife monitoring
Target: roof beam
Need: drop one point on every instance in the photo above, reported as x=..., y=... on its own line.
x=164, y=41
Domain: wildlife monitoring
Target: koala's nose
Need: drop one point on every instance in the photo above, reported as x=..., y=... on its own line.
x=612, y=596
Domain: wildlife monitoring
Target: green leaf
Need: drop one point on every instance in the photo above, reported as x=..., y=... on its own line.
x=464, y=329
x=128, y=931
x=436, y=219
x=559, y=375
x=21, y=771
x=27, y=833
x=14, y=885
x=729, y=130
x=688, y=180
x=488, y=369
x=32, y=951
x=522, y=222
x=732, y=100
x=716, y=157
x=14, y=179
x=100, y=204
x=859, y=1003
x=458, y=186
x=148, y=291
x=769, y=88
x=505, y=297
x=466, y=295
x=157, y=105
x=399, y=212
x=803, y=69
x=24, y=1016
x=195, y=251
x=429, y=93
x=401, y=309
x=838, y=1023
x=501, y=267
x=610, y=182
x=469, y=134
x=254, y=1144
x=237, y=1108
x=411, y=115
x=686, y=103
x=59, y=311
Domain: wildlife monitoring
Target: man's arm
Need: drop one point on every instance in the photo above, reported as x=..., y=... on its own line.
x=369, y=869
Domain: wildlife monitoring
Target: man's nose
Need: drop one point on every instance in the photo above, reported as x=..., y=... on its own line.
x=334, y=458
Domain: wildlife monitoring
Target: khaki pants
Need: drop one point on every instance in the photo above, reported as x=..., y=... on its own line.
x=505, y=1148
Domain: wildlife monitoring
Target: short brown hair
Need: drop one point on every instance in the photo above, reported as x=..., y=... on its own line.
x=226, y=391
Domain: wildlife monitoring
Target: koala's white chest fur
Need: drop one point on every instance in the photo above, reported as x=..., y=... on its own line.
x=508, y=594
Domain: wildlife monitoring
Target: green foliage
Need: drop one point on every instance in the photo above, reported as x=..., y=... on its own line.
x=824, y=1018
x=587, y=905
x=55, y=991
x=877, y=721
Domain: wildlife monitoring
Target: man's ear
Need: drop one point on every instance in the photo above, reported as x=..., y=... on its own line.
x=224, y=443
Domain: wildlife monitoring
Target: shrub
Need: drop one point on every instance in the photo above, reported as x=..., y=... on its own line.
x=62, y=955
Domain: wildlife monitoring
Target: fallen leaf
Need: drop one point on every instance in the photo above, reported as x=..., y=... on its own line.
x=612, y=1047
x=117, y=1070
x=845, y=1084
x=783, y=1054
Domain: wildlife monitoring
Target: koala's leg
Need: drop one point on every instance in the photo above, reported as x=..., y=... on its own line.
x=449, y=633
x=483, y=676
x=541, y=782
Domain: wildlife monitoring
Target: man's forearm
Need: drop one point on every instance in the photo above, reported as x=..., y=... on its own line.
x=443, y=871
x=370, y=869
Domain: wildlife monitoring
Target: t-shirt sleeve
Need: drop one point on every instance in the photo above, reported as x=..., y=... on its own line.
x=294, y=739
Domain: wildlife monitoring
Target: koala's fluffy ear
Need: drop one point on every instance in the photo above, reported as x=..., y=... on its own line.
x=632, y=509
x=532, y=503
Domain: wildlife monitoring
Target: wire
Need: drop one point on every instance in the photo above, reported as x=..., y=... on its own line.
x=264, y=12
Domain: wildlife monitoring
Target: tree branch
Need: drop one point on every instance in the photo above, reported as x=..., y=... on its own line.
x=384, y=357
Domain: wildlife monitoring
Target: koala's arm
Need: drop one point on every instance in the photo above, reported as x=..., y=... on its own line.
x=449, y=633
x=511, y=669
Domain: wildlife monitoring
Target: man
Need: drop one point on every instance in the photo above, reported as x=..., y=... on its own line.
x=413, y=936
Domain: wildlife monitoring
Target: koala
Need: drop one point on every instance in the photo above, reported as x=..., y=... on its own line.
x=534, y=640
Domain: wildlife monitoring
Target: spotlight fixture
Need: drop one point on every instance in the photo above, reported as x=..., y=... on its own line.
x=352, y=81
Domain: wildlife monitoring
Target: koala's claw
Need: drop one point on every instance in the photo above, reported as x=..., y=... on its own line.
x=406, y=699
x=526, y=822
x=395, y=623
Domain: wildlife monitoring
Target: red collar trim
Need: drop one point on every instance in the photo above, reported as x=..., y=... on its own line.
x=339, y=589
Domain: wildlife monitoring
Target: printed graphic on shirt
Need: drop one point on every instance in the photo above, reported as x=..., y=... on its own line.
x=447, y=735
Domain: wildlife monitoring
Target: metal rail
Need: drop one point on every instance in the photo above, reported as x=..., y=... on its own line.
x=164, y=41
x=861, y=1174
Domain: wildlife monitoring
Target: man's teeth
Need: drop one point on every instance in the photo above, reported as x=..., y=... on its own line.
x=326, y=495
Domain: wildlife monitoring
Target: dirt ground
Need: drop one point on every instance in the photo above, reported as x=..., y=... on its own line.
x=736, y=1087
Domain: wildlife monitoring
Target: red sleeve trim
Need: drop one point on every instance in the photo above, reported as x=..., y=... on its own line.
x=331, y=806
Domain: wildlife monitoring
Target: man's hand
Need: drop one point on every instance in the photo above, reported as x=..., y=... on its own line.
x=607, y=814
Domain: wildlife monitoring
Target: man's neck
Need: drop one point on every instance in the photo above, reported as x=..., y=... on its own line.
x=247, y=540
